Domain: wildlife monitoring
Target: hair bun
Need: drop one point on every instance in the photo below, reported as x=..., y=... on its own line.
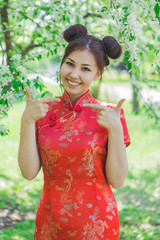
x=74, y=31
x=112, y=47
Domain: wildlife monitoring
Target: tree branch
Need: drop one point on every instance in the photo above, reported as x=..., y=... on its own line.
x=112, y=4
x=29, y=48
x=25, y=16
x=92, y=15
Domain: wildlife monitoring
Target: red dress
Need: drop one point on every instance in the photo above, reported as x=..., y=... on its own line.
x=77, y=201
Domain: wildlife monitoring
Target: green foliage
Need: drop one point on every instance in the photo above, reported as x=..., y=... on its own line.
x=35, y=33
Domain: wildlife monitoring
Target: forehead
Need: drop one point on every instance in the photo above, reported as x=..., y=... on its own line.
x=83, y=57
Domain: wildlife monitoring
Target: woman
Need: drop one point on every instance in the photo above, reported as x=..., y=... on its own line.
x=80, y=144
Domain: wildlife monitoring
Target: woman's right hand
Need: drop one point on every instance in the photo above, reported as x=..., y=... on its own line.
x=36, y=108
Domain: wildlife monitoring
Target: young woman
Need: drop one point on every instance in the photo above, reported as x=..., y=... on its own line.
x=80, y=144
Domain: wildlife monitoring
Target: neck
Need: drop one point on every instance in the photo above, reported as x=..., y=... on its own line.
x=75, y=99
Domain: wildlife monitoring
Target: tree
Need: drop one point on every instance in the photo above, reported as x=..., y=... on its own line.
x=31, y=30
x=136, y=24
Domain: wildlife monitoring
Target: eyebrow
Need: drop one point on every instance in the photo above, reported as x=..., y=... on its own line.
x=84, y=64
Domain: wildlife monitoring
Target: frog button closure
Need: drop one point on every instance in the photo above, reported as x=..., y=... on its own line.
x=69, y=107
x=78, y=108
x=52, y=118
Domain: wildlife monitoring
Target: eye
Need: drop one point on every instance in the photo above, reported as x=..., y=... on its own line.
x=69, y=63
x=86, y=69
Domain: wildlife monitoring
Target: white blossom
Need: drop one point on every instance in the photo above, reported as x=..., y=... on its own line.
x=8, y=96
x=3, y=108
x=16, y=58
x=154, y=67
x=3, y=129
x=5, y=75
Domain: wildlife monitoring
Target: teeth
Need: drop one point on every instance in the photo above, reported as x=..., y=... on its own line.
x=73, y=83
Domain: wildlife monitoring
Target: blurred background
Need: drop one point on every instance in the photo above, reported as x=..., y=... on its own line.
x=31, y=49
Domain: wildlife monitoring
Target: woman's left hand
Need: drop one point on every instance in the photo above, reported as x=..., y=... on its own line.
x=108, y=117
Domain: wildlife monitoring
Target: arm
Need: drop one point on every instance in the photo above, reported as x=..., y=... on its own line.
x=116, y=167
x=28, y=155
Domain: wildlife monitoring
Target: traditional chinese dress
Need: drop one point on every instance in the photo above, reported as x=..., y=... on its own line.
x=77, y=201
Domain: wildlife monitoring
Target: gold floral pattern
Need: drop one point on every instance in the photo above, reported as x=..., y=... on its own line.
x=77, y=201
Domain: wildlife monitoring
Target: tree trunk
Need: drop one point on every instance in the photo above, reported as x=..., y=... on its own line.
x=135, y=93
x=7, y=36
x=135, y=99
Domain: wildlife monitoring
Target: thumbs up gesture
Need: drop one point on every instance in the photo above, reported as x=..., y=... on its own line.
x=108, y=117
x=36, y=109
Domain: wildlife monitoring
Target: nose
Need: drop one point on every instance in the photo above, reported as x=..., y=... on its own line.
x=74, y=73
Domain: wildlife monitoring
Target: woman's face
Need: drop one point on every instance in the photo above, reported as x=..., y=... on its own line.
x=78, y=71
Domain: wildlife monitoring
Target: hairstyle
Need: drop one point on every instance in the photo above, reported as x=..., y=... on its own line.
x=102, y=50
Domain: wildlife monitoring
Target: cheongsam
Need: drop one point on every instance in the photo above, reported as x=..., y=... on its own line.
x=77, y=201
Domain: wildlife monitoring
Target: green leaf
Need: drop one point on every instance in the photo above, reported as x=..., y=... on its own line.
x=127, y=54
x=68, y=19
x=4, y=113
x=132, y=37
x=5, y=75
x=104, y=9
x=55, y=50
x=129, y=66
x=46, y=94
x=157, y=9
x=157, y=52
x=48, y=27
x=3, y=102
x=64, y=18
x=16, y=84
x=39, y=35
x=73, y=4
x=158, y=70
x=2, y=3
x=126, y=60
x=39, y=57
x=137, y=69
x=125, y=10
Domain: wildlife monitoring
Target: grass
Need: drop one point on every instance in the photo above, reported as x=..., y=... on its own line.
x=138, y=198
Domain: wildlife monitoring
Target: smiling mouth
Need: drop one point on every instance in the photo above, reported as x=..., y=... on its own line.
x=73, y=83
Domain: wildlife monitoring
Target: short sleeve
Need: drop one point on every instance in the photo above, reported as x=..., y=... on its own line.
x=127, y=140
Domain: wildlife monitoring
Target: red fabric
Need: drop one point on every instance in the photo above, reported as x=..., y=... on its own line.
x=77, y=201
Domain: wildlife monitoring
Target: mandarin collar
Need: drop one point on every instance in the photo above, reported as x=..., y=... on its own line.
x=87, y=96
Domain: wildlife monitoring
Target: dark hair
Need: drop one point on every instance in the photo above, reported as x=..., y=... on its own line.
x=102, y=50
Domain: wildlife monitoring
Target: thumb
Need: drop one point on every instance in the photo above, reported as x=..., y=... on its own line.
x=29, y=97
x=120, y=103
